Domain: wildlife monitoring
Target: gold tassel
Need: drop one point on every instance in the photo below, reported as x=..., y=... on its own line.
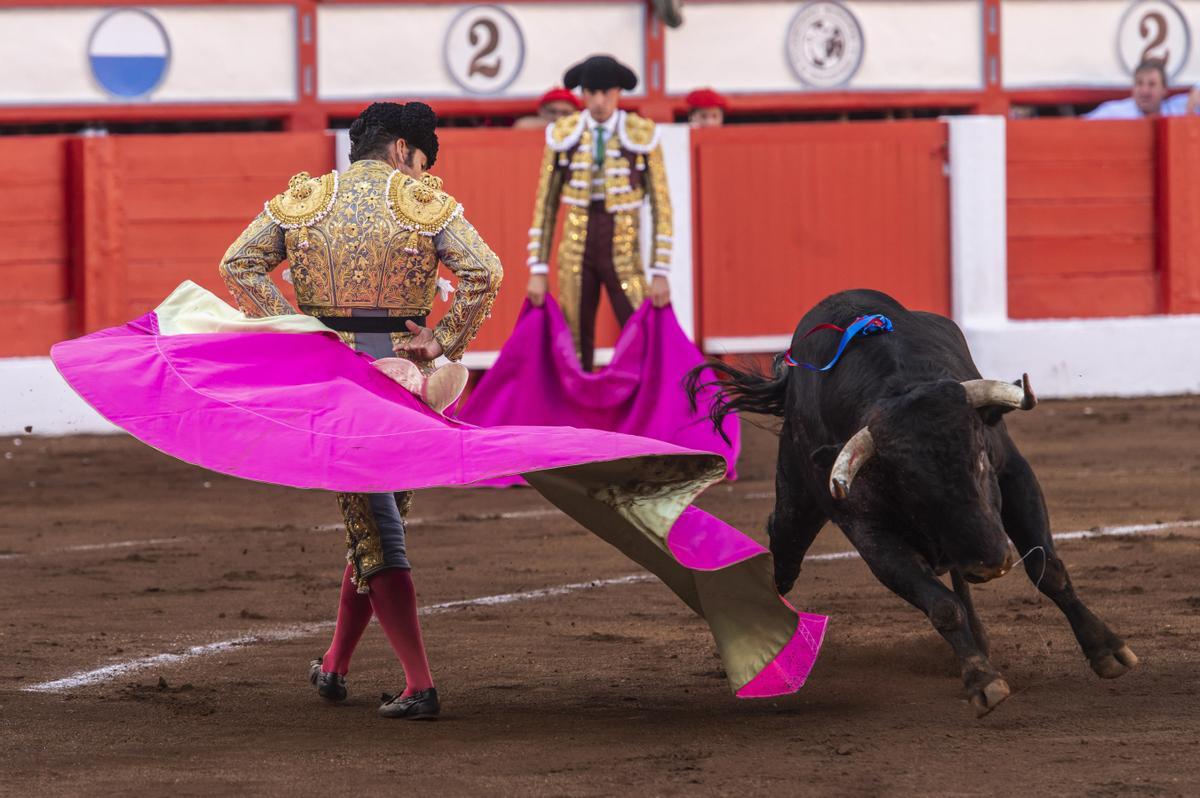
x=641, y=162
x=414, y=243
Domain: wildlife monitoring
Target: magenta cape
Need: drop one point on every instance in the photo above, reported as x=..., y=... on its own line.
x=538, y=380
x=304, y=410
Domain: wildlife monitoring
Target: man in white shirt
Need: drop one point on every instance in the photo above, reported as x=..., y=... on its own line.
x=1149, y=97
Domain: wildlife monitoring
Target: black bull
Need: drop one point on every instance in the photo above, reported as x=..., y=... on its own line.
x=942, y=486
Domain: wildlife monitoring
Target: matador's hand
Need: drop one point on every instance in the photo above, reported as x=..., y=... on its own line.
x=422, y=345
x=660, y=291
x=538, y=285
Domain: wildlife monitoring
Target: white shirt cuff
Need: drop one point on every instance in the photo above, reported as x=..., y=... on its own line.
x=539, y=268
x=660, y=271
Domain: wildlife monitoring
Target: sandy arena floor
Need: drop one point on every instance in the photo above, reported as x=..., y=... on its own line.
x=110, y=551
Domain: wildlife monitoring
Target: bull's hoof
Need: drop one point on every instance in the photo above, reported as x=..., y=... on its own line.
x=985, y=699
x=1111, y=664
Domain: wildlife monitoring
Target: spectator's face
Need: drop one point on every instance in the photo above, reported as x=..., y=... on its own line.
x=553, y=111
x=1149, y=91
x=707, y=117
x=601, y=103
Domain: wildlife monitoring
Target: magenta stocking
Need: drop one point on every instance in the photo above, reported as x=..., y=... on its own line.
x=394, y=600
x=354, y=613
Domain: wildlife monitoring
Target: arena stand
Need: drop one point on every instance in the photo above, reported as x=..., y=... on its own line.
x=1063, y=247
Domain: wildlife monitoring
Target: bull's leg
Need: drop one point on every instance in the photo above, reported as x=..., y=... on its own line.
x=908, y=575
x=796, y=520
x=962, y=589
x=1028, y=525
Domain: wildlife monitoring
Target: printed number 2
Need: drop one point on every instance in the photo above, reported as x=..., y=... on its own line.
x=1160, y=36
x=478, y=65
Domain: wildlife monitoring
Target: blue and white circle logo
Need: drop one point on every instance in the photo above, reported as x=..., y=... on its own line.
x=129, y=52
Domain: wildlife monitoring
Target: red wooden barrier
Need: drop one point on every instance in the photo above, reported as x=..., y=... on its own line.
x=790, y=214
x=1081, y=219
x=1179, y=216
x=34, y=271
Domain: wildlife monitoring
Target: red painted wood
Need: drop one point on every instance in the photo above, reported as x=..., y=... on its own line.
x=1179, y=214
x=1082, y=230
x=788, y=215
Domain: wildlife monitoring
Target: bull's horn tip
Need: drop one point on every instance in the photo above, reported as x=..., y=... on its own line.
x=1030, y=400
x=839, y=489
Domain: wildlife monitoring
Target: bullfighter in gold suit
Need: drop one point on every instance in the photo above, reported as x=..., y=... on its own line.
x=364, y=247
x=603, y=164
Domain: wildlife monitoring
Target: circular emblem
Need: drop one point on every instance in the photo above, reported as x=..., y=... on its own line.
x=129, y=53
x=824, y=45
x=484, y=49
x=1154, y=29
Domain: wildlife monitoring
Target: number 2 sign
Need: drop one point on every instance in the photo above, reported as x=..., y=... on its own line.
x=1154, y=29
x=484, y=49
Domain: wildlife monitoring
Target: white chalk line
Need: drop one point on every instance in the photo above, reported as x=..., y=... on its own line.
x=120, y=544
x=109, y=672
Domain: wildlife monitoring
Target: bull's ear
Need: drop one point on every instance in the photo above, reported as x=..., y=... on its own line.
x=824, y=457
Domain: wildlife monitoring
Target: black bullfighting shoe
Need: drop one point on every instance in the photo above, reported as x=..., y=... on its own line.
x=418, y=706
x=330, y=686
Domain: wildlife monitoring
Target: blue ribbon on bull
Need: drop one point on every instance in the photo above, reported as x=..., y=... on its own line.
x=875, y=324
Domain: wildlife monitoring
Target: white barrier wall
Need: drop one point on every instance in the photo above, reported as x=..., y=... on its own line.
x=81, y=55
x=856, y=45
x=1051, y=43
x=451, y=50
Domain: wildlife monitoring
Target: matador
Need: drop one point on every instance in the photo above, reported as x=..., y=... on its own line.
x=363, y=248
x=603, y=164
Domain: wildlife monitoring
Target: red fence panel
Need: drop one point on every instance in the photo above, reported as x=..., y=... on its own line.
x=1081, y=219
x=787, y=215
x=35, y=258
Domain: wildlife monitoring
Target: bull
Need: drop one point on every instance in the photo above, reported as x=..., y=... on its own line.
x=903, y=445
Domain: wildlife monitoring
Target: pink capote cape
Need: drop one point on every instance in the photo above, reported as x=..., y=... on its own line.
x=300, y=408
x=538, y=380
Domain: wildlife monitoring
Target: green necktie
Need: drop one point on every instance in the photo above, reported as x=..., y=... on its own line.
x=599, y=145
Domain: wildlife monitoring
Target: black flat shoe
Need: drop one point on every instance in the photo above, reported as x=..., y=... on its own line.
x=418, y=706
x=330, y=686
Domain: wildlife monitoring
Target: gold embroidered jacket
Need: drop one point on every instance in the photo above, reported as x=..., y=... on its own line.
x=632, y=174
x=370, y=237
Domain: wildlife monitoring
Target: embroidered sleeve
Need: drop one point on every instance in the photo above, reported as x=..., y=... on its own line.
x=545, y=213
x=479, y=275
x=660, y=210
x=247, y=263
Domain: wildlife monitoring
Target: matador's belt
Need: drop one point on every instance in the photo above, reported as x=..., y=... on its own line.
x=371, y=324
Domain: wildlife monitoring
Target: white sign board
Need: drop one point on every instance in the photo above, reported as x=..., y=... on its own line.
x=169, y=54
x=1051, y=43
x=378, y=51
x=822, y=45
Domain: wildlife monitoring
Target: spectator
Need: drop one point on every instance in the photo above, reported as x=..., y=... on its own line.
x=706, y=108
x=553, y=105
x=1149, y=97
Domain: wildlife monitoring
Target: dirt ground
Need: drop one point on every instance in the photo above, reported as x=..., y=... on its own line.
x=110, y=551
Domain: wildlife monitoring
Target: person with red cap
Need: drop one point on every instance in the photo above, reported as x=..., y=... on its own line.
x=706, y=108
x=553, y=106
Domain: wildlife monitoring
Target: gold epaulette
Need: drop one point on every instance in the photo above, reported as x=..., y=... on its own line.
x=420, y=206
x=638, y=134
x=305, y=202
x=563, y=133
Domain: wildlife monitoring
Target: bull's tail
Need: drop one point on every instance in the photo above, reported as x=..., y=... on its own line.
x=749, y=391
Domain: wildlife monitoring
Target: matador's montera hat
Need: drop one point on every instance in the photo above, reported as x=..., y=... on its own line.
x=600, y=73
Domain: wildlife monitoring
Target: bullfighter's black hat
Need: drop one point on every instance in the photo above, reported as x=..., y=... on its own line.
x=599, y=73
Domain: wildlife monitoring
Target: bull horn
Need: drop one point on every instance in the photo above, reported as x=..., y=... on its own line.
x=853, y=456
x=986, y=393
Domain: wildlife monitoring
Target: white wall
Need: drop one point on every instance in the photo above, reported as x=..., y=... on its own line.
x=218, y=54
x=32, y=394
x=1048, y=43
x=740, y=46
x=388, y=51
